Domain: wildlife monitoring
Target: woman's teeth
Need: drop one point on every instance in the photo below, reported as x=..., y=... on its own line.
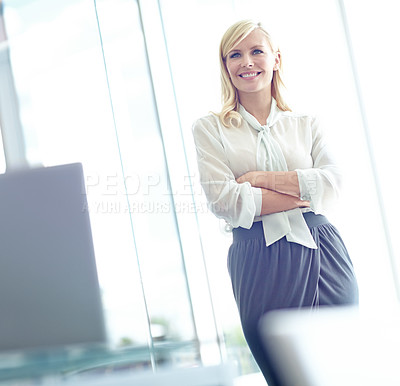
x=248, y=75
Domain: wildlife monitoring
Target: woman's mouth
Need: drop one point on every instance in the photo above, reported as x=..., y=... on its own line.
x=249, y=75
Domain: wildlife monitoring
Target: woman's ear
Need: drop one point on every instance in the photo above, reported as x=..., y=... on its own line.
x=277, y=61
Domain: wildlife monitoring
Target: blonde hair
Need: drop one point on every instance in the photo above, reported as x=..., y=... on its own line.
x=229, y=115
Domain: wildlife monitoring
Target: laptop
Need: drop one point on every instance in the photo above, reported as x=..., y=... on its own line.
x=49, y=289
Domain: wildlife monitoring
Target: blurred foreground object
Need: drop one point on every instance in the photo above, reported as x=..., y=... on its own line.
x=335, y=346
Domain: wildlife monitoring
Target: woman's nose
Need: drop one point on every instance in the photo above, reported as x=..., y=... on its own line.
x=247, y=61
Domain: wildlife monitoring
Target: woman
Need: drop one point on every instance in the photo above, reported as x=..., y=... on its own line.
x=268, y=172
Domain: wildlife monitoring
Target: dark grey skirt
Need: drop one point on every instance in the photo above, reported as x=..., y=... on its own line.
x=287, y=275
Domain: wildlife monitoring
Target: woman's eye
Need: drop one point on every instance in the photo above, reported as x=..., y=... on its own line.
x=256, y=52
x=234, y=55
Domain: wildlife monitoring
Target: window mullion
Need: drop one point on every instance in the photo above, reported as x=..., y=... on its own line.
x=10, y=123
x=179, y=179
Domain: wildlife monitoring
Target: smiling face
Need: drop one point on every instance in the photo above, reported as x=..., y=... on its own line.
x=251, y=64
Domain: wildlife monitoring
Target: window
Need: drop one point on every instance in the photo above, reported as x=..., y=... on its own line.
x=87, y=96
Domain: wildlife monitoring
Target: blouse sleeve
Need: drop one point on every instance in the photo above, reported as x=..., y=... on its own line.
x=320, y=184
x=233, y=202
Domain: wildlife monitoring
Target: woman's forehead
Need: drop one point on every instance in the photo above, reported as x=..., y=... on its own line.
x=252, y=40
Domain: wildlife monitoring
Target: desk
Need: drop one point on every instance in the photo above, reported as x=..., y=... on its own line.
x=73, y=364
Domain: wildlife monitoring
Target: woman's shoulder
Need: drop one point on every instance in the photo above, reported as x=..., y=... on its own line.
x=208, y=118
x=207, y=122
x=299, y=117
x=297, y=114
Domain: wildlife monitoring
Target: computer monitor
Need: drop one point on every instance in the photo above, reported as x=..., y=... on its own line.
x=49, y=289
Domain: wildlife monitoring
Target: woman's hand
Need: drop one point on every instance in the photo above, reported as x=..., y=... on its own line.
x=250, y=177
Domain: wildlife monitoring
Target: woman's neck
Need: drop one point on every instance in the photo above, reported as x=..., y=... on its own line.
x=258, y=105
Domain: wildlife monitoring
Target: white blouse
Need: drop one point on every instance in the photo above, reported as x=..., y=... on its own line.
x=224, y=154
